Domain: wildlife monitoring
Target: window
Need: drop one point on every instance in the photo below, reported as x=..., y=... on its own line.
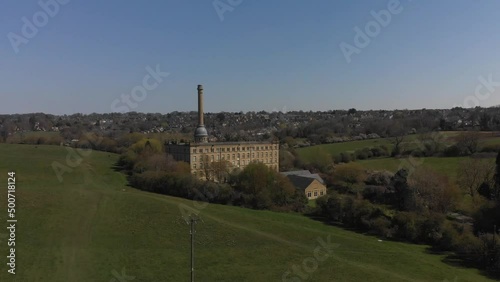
x=200, y=150
x=194, y=166
x=217, y=158
x=321, y=193
x=212, y=149
x=234, y=157
x=248, y=155
x=194, y=159
x=238, y=155
x=315, y=193
x=212, y=158
x=194, y=150
x=309, y=194
x=228, y=157
x=253, y=155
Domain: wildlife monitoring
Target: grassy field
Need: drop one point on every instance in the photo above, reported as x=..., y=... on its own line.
x=91, y=226
x=446, y=166
x=308, y=153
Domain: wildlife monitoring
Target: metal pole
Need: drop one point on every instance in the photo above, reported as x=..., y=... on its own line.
x=193, y=222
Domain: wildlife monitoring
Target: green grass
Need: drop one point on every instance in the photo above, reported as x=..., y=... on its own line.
x=445, y=166
x=309, y=153
x=92, y=223
x=17, y=136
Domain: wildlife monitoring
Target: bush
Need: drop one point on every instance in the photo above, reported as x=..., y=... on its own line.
x=381, y=226
x=406, y=225
x=376, y=194
x=345, y=157
x=452, y=151
x=490, y=148
x=379, y=178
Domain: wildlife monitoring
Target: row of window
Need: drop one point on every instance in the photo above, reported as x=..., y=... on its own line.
x=234, y=149
x=243, y=162
x=237, y=156
x=315, y=193
x=203, y=172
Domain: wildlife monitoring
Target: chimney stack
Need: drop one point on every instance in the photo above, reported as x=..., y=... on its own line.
x=200, y=105
x=200, y=134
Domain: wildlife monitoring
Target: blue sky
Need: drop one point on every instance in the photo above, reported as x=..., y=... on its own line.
x=263, y=55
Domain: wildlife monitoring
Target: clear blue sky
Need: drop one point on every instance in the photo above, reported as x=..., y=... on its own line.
x=264, y=55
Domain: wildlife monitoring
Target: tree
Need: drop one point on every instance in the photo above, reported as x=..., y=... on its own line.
x=431, y=142
x=221, y=170
x=496, y=187
x=468, y=142
x=350, y=174
x=472, y=173
x=404, y=196
x=398, y=134
x=433, y=191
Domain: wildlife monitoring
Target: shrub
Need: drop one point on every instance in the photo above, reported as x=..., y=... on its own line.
x=375, y=194
x=406, y=225
x=345, y=157
x=379, y=178
x=490, y=148
x=452, y=151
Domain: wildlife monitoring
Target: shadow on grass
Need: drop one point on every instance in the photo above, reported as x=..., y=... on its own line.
x=450, y=258
x=459, y=261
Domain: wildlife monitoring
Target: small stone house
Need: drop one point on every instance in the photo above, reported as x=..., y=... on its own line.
x=311, y=184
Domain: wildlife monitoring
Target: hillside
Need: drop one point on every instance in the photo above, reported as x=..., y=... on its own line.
x=91, y=226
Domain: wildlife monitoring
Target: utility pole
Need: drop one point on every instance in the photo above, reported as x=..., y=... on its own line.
x=193, y=221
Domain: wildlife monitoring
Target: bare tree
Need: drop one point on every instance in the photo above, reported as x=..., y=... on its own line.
x=468, y=142
x=433, y=191
x=398, y=136
x=472, y=173
x=220, y=169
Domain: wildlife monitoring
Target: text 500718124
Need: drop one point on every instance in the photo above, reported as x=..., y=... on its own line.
x=11, y=221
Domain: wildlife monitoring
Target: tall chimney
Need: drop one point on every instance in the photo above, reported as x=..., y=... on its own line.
x=200, y=134
x=200, y=104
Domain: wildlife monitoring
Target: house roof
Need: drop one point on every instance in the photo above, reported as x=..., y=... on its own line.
x=300, y=182
x=304, y=173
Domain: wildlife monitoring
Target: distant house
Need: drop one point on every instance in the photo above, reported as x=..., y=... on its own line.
x=312, y=184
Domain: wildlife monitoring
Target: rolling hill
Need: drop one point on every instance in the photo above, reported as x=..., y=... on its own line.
x=91, y=226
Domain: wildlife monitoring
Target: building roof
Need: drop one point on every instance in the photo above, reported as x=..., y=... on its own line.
x=296, y=172
x=300, y=182
x=304, y=173
x=208, y=144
